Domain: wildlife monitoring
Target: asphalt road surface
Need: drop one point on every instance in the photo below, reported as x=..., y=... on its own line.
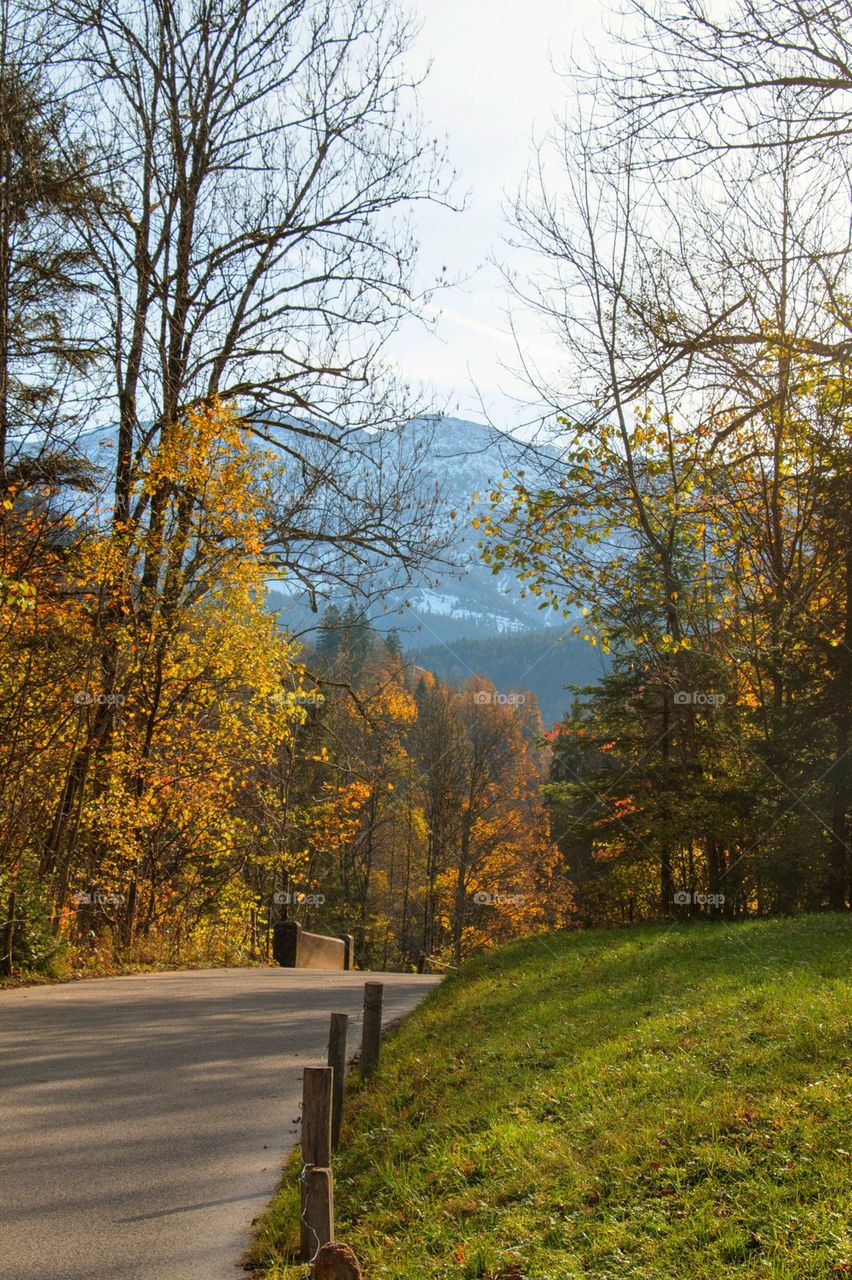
x=143, y=1119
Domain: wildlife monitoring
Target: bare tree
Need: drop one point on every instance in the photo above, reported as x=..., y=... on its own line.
x=708, y=78
x=718, y=102
x=256, y=158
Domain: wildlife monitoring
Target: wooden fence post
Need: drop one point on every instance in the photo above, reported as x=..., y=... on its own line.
x=318, y=1213
x=371, y=1034
x=337, y=1061
x=317, y=1221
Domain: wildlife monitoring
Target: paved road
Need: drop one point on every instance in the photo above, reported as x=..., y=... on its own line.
x=143, y=1119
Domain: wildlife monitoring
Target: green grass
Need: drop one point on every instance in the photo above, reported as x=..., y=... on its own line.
x=664, y=1103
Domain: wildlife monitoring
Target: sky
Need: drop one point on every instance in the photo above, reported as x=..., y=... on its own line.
x=492, y=91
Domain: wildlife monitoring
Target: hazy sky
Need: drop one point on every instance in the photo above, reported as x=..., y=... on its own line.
x=491, y=90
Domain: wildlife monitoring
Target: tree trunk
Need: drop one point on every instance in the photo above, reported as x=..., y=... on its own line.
x=838, y=875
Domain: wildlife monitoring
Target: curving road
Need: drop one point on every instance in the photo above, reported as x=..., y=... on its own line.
x=143, y=1119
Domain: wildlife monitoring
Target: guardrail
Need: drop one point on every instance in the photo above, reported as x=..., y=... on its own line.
x=294, y=948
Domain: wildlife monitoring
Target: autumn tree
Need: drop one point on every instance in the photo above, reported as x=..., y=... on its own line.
x=275, y=294
x=694, y=266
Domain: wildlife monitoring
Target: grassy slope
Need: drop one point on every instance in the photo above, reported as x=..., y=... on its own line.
x=662, y=1103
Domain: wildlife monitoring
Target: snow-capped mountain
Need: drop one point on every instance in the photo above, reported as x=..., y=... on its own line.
x=461, y=459
x=454, y=596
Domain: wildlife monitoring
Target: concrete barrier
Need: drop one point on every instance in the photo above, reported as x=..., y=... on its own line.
x=294, y=948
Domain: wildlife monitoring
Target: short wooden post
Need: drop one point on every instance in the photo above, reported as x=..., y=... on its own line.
x=337, y=1061
x=371, y=1034
x=317, y=1225
x=318, y=1212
